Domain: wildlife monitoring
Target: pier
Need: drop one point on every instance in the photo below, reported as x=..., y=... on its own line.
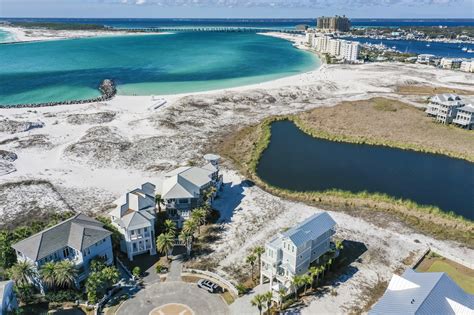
x=215, y=29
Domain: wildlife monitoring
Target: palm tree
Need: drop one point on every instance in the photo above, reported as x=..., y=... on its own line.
x=170, y=227
x=189, y=227
x=259, y=250
x=21, y=272
x=281, y=294
x=251, y=260
x=297, y=282
x=258, y=301
x=48, y=274
x=199, y=216
x=339, y=245
x=268, y=298
x=65, y=273
x=322, y=269
x=158, y=201
x=164, y=243
x=307, y=280
x=314, y=272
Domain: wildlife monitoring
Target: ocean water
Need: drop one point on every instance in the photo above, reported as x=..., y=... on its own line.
x=451, y=50
x=5, y=36
x=144, y=64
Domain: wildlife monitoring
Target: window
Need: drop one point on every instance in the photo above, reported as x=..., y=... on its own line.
x=66, y=252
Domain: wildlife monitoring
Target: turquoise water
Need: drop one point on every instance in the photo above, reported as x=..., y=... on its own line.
x=5, y=36
x=144, y=65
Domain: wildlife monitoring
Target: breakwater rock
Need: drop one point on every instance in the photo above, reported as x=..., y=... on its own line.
x=107, y=89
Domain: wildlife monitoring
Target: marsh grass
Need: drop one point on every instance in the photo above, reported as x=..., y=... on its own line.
x=245, y=147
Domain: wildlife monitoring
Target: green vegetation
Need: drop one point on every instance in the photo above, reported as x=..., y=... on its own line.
x=136, y=272
x=460, y=274
x=245, y=147
x=116, y=235
x=100, y=279
x=57, y=275
x=10, y=237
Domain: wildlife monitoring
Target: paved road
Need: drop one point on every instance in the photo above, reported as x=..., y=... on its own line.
x=174, y=273
x=200, y=301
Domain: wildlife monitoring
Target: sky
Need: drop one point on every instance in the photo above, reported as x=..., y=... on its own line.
x=237, y=8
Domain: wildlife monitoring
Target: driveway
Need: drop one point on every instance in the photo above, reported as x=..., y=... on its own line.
x=182, y=293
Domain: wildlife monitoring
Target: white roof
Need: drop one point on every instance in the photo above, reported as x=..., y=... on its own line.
x=186, y=182
x=467, y=108
x=134, y=209
x=448, y=99
x=423, y=293
x=310, y=229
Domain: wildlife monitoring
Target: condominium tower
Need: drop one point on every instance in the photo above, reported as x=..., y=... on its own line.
x=334, y=24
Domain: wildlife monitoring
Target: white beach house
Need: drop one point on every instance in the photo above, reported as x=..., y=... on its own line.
x=465, y=117
x=184, y=188
x=423, y=293
x=292, y=252
x=79, y=239
x=425, y=58
x=134, y=217
x=444, y=107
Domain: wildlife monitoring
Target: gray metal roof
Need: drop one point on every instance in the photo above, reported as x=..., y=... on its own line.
x=78, y=232
x=186, y=182
x=310, y=229
x=467, y=108
x=423, y=293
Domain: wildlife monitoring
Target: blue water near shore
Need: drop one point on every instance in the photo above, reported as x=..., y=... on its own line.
x=144, y=65
x=5, y=36
x=453, y=50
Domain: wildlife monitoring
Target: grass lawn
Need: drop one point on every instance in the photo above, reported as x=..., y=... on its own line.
x=462, y=275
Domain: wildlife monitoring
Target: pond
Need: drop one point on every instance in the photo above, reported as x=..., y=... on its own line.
x=299, y=162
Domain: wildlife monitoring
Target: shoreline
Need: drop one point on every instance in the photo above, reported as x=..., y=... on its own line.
x=285, y=81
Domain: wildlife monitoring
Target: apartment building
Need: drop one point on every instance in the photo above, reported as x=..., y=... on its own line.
x=292, y=252
x=451, y=63
x=467, y=66
x=333, y=24
x=134, y=216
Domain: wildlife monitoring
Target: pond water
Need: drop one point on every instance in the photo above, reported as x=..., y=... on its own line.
x=299, y=162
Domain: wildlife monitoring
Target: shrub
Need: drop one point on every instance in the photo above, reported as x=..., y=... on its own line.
x=62, y=296
x=136, y=271
x=241, y=289
x=159, y=268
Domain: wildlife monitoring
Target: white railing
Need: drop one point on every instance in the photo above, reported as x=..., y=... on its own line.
x=217, y=278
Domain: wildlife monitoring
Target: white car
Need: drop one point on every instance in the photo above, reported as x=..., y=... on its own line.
x=209, y=286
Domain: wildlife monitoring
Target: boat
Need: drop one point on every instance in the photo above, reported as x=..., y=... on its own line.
x=464, y=49
x=428, y=45
x=470, y=51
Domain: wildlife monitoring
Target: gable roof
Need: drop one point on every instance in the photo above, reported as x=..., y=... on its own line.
x=424, y=293
x=78, y=232
x=467, y=108
x=186, y=182
x=448, y=99
x=310, y=229
x=136, y=220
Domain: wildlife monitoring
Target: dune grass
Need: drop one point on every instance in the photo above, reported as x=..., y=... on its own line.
x=245, y=147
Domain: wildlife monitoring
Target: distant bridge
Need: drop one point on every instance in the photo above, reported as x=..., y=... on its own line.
x=218, y=29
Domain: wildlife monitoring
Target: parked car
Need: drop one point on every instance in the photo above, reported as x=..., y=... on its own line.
x=209, y=286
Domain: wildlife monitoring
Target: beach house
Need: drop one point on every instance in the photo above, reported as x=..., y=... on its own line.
x=134, y=216
x=78, y=239
x=465, y=117
x=444, y=107
x=186, y=188
x=425, y=58
x=292, y=252
x=423, y=294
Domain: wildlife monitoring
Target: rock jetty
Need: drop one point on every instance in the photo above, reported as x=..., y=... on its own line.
x=107, y=89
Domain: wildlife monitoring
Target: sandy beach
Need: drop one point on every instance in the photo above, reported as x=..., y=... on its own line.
x=84, y=156
x=19, y=34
